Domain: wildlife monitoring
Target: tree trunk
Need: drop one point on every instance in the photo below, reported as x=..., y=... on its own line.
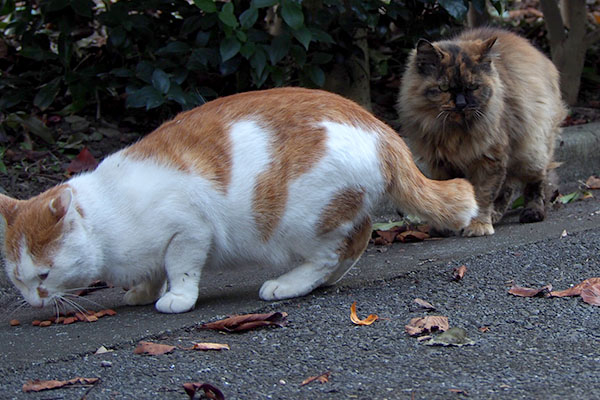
x=568, y=49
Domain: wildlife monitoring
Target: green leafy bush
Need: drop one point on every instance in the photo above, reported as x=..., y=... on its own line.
x=74, y=56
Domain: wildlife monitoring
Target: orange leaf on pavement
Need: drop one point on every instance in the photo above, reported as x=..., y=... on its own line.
x=459, y=272
x=367, y=321
x=323, y=378
x=428, y=324
x=575, y=290
x=153, y=349
x=412, y=236
x=209, y=346
x=530, y=292
x=240, y=323
x=38, y=385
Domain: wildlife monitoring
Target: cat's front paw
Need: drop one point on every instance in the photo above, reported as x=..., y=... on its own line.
x=277, y=290
x=172, y=303
x=478, y=228
x=496, y=216
x=529, y=215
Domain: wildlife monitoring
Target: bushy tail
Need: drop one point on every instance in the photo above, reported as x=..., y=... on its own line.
x=447, y=204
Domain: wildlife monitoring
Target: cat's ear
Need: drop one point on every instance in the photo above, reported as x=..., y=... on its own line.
x=428, y=56
x=8, y=210
x=486, y=48
x=59, y=205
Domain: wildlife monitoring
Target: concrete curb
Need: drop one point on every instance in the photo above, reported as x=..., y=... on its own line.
x=578, y=148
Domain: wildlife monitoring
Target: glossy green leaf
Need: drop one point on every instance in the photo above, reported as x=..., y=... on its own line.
x=317, y=75
x=229, y=47
x=208, y=6
x=456, y=8
x=161, y=81
x=249, y=17
x=147, y=97
x=292, y=14
x=303, y=35
x=83, y=7
x=280, y=46
x=173, y=48
x=227, y=16
x=45, y=97
x=263, y=3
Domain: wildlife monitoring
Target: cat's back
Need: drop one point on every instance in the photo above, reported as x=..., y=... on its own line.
x=268, y=165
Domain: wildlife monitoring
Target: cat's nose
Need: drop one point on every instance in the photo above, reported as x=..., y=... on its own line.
x=460, y=101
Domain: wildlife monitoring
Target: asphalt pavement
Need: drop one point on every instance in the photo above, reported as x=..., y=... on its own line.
x=525, y=348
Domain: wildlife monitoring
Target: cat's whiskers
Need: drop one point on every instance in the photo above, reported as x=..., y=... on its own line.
x=73, y=296
x=18, y=304
x=73, y=304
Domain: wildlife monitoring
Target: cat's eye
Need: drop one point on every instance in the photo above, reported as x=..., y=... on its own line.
x=444, y=87
x=43, y=276
x=473, y=86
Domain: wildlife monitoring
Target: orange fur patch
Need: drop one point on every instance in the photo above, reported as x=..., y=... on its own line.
x=40, y=236
x=344, y=207
x=355, y=244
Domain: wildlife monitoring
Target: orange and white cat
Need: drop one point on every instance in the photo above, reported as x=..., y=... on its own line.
x=266, y=177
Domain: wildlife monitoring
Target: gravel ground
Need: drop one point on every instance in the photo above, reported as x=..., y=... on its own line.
x=534, y=348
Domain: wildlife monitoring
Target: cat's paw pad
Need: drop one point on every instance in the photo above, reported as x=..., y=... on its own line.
x=478, y=228
x=529, y=215
x=172, y=303
x=139, y=296
x=276, y=290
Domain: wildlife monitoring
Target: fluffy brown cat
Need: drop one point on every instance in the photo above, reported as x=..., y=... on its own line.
x=486, y=106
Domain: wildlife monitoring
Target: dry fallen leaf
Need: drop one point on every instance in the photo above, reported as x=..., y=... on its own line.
x=323, y=378
x=428, y=324
x=593, y=182
x=484, y=329
x=209, y=346
x=241, y=323
x=412, y=236
x=210, y=391
x=575, y=290
x=14, y=322
x=367, y=321
x=459, y=272
x=459, y=391
x=530, y=292
x=452, y=337
x=84, y=161
x=38, y=385
x=591, y=294
x=424, y=304
x=153, y=349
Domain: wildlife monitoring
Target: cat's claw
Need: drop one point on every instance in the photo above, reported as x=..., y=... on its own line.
x=172, y=303
x=478, y=228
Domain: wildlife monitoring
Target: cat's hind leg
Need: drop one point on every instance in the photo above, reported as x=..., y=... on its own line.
x=320, y=272
x=503, y=200
x=184, y=259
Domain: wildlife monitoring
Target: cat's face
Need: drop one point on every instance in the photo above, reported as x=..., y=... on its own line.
x=46, y=248
x=457, y=80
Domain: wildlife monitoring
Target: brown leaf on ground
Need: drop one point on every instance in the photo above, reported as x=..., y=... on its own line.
x=593, y=182
x=459, y=391
x=459, y=272
x=209, y=346
x=241, y=323
x=412, y=236
x=428, y=324
x=354, y=318
x=484, y=329
x=530, y=292
x=323, y=378
x=575, y=290
x=14, y=322
x=210, y=391
x=38, y=385
x=153, y=349
x=387, y=237
x=84, y=161
x=424, y=304
x=591, y=294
